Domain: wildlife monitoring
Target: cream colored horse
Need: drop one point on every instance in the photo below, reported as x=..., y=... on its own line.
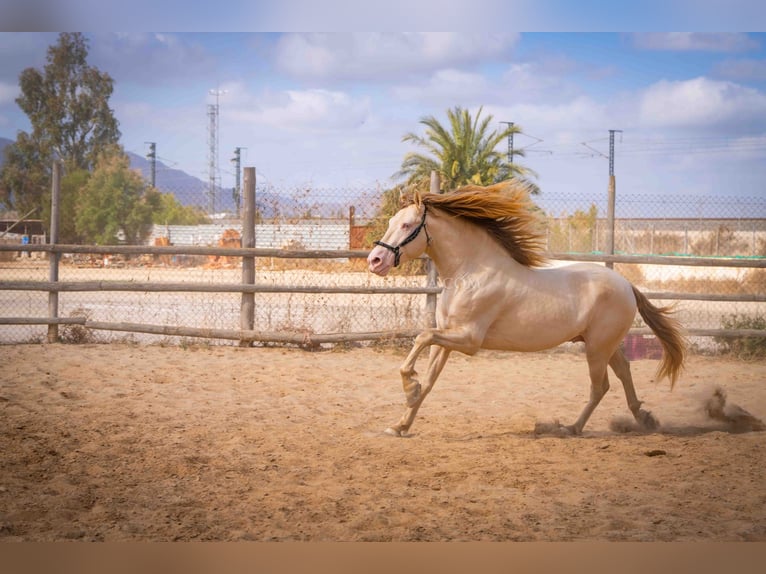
x=486, y=246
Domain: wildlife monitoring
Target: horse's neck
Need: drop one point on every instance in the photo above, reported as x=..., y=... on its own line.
x=459, y=248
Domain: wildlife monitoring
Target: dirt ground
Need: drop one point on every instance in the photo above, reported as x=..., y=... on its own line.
x=151, y=443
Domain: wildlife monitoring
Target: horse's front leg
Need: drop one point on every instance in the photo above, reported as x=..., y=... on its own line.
x=442, y=342
x=436, y=361
x=410, y=383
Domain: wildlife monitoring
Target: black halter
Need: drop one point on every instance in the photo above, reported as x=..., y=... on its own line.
x=409, y=239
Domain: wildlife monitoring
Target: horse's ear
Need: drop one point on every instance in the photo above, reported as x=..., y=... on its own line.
x=406, y=197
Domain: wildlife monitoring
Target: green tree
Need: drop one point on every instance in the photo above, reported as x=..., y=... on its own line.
x=171, y=212
x=68, y=107
x=463, y=152
x=72, y=184
x=573, y=233
x=114, y=201
x=25, y=176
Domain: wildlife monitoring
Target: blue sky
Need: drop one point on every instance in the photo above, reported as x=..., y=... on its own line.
x=330, y=109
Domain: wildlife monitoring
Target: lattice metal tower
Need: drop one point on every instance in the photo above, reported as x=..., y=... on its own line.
x=212, y=149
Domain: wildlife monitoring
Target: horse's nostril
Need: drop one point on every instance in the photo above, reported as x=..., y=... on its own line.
x=375, y=260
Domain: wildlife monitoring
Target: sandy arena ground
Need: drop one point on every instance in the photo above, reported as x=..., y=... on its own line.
x=150, y=443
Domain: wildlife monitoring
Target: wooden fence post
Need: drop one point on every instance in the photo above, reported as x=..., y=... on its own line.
x=53, y=260
x=433, y=275
x=247, y=309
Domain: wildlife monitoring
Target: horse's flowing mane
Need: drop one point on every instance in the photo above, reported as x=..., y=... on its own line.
x=503, y=210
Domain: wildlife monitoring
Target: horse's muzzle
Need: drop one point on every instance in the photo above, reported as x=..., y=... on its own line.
x=379, y=261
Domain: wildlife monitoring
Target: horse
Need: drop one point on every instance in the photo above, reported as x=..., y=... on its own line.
x=499, y=293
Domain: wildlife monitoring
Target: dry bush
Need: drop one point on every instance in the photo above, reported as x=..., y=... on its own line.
x=632, y=273
x=77, y=334
x=743, y=347
x=656, y=243
x=722, y=242
x=705, y=285
x=752, y=282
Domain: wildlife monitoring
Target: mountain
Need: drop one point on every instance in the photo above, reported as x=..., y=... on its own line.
x=191, y=190
x=188, y=190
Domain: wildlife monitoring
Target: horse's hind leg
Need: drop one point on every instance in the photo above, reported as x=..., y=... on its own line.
x=621, y=367
x=599, y=385
x=437, y=358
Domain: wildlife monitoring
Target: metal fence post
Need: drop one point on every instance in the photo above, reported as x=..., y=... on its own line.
x=53, y=261
x=247, y=308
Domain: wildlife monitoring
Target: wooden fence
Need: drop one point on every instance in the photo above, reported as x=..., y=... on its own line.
x=248, y=333
x=248, y=288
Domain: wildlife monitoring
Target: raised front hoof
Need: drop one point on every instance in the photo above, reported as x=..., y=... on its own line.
x=397, y=432
x=555, y=429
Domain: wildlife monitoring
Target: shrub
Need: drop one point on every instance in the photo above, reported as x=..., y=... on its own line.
x=744, y=347
x=74, y=333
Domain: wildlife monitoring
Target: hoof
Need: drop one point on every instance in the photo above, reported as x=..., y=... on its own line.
x=647, y=421
x=555, y=429
x=391, y=431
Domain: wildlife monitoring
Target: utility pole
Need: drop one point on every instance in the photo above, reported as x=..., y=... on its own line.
x=611, y=201
x=152, y=157
x=510, y=142
x=237, y=191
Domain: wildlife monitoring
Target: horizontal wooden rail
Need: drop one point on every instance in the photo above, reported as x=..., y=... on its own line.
x=83, y=286
x=195, y=287
x=751, y=262
x=312, y=338
x=300, y=337
x=296, y=338
x=707, y=332
x=717, y=297
x=190, y=250
x=42, y=321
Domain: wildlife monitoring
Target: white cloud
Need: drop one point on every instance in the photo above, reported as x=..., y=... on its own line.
x=564, y=123
x=372, y=56
x=741, y=70
x=164, y=58
x=445, y=88
x=702, y=103
x=315, y=109
x=694, y=41
x=8, y=93
x=538, y=82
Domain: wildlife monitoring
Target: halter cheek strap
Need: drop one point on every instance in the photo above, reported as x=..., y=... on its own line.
x=409, y=239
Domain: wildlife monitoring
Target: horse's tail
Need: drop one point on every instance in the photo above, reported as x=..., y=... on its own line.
x=670, y=334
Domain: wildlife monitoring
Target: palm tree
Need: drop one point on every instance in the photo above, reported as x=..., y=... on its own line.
x=465, y=153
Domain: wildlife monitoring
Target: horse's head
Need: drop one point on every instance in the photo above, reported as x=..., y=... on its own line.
x=405, y=239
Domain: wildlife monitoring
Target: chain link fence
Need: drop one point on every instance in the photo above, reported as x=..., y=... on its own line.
x=309, y=219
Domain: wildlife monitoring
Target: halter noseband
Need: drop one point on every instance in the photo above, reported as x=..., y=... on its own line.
x=409, y=239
